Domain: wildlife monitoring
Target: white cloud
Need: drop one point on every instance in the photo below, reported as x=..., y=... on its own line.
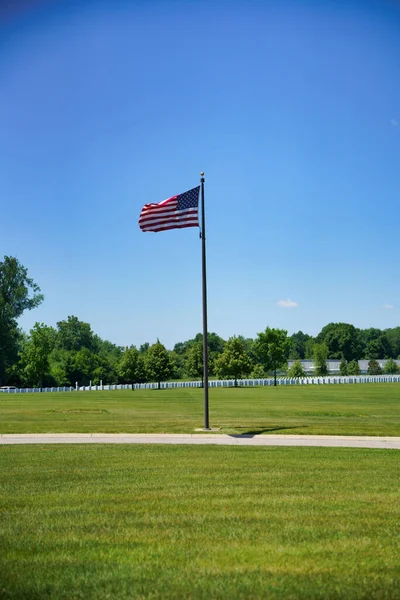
x=394, y=122
x=287, y=303
x=387, y=306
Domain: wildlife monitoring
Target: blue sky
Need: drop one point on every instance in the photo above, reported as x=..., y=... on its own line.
x=292, y=109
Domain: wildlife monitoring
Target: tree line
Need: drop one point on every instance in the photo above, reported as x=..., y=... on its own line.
x=71, y=352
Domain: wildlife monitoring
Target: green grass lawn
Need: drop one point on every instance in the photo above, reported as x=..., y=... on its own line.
x=106, y=522
x=362, y=409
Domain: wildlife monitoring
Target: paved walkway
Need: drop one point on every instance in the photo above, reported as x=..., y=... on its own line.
x=202, y=438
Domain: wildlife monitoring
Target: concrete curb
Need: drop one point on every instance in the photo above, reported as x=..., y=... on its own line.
x=202, y=439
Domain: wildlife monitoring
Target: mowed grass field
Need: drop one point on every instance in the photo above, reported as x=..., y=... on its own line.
x=358, y=409
x=170, y=522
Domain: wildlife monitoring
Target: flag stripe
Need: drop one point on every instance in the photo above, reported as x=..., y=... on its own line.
x=158, y=208
x=176, y=212
x=157, y=224
x=182, y=214
x=182, y=226
x=154, y=221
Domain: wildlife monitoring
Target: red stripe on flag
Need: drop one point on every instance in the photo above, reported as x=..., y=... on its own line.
x=176, y=212
x=155, y=230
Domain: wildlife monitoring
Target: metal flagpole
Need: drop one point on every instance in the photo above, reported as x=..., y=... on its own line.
x=204, y=287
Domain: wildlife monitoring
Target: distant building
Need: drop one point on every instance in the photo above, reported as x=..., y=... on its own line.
x=363, y=364
x=334, y=365
x=309, y=366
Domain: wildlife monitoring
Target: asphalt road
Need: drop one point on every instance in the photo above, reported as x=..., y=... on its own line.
x=202, y=438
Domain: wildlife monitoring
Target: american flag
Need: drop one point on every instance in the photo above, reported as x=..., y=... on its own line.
x=174, y=213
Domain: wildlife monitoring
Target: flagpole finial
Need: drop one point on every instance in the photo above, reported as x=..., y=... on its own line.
x=202, y=173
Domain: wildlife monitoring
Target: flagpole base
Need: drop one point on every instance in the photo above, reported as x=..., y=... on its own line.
x=214, y=429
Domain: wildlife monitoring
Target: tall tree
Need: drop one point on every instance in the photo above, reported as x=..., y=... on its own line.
x=215, y=348
x=374, y=368
x=60, y=367
x=373, y=349
x=249, y=347
x=296, y=370
x=74, y=335
x=195, y=361
x=320, y=356
x=258, y=372
x=343, y=367
x=128, y=366
x=35, y=356
x=272, y=349
x=234, y=361
x=378, y=348
x=109, y=356
x=214, y=341
x=393, y=337
x=309, y=348
x=158, y=364
x=18, y=293
x=377, y=343
x=178, y=364
x=342, y=340
x=84, y=365
x=298, y=345
x=353, y=368
x=82, y=356
x=391, y=367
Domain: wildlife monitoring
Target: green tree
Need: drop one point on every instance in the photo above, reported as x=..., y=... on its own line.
x=320, y=356
x=59, y=367
x=258, y=372
x=82, y=356
x=374, y=368
x=272, y=348
x=214, y=342
x=298, y=343
x=18, y=293
x=35, y=356
x=215, y=346
x=309, y=348
x=373, y=349
x=249, y=348
x=377, y=343
x=195, y=361
x=73, y=335
x=343, y=367
x=342, y=340
x=296, y=370
x=391, y=366
x=108, y=357
x=158, y=364
x=141, y=369
x=234, y=361
x=378, y=348
x=353, y=368
x=178, y=364
x=14, y=372
x=85, y=364
x=128, y=365
x=393, y=337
